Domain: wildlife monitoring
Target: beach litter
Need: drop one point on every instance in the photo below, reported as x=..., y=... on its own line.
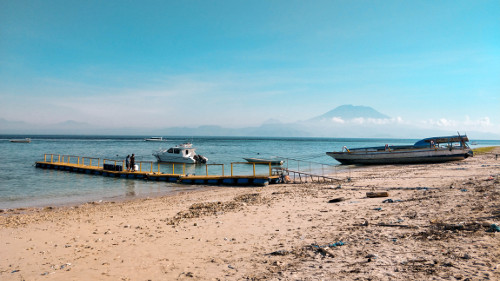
x=493, y=228
x=391, y=201
x=370, y=257
x=325, y=249
x=336, y=244
x=279, y=253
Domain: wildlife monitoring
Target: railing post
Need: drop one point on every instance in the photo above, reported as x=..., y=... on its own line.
x=222, y=169
x=158, y=167
x=206, y=169
x=184, y=168
x=254, y=169
x=90, y=159
x=173, y=169
x=140, y=166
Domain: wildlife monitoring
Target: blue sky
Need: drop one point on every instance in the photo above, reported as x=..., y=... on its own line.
x=240, y=63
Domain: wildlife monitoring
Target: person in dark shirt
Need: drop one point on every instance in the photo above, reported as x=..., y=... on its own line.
x=132, y=163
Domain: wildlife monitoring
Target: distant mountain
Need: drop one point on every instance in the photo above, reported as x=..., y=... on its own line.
x=343, y=121
x=348, y=112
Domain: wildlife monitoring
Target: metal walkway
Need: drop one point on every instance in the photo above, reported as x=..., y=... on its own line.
x=305, y=176
x=96, y=166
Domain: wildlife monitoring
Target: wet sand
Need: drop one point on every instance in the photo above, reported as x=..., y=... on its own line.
x=438, y=226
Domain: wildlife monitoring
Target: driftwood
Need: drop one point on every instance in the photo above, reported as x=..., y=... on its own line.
x=377, y=194
x=335, y=200
x=396, y=225
x=326, y=252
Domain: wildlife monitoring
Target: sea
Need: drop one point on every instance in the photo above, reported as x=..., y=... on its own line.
x=22, y=185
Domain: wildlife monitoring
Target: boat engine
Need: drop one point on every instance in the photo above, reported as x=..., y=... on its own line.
x=200, y=159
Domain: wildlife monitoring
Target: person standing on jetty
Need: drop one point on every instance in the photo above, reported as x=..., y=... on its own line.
x=132, y=163
x=127, y=163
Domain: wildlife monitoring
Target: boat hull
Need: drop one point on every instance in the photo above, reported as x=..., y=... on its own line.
x=170, y=159
x=401, y=157
x=264, y=161
x=21, y=141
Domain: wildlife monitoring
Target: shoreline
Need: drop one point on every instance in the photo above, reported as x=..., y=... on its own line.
x=436, y=227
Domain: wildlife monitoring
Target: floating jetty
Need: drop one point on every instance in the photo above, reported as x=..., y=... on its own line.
x=147, y=171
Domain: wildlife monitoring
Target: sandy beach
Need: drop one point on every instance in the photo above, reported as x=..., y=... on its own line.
x=438, y=223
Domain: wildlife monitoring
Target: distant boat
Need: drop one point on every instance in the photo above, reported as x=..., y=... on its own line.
x=183, y=153
x=423, y=151
x=26, y=140
x=155, y=139
x=264, y=161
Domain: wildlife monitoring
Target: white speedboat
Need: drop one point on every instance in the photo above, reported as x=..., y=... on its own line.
x=424, y=151
x=155, y=139
x=26, y=140
x=183, y=153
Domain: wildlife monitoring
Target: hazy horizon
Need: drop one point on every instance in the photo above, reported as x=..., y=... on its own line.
x=432, y=66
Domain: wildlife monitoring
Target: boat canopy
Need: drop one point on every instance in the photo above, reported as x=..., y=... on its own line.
x=449, y=139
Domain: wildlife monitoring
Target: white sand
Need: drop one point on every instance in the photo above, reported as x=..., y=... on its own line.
x=435, y=229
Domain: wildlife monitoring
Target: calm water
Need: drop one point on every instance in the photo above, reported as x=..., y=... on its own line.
x=23, y=185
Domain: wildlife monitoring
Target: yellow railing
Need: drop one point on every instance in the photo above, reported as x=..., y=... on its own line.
x=247, y=163
x=206, y=168
x=96, y=162
x=91, y=161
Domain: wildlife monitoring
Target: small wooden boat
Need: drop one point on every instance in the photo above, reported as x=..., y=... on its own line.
x=264, y=161
x=26, y=140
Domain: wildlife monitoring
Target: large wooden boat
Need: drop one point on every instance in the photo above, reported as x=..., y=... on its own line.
x=429, y=150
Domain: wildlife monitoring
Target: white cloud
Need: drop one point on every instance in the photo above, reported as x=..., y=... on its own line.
x=338, y=120
x=376, y=121
x=482, y=124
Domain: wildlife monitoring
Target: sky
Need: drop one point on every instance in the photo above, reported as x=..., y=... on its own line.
x=240, y=63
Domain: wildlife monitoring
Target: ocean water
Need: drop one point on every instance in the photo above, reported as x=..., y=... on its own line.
x=23, y=185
